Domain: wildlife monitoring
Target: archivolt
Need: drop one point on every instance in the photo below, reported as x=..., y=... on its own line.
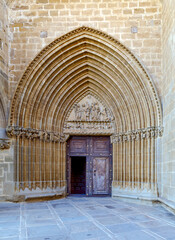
x=80, y=61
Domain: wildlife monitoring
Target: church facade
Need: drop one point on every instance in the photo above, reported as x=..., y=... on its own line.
x=86, y=99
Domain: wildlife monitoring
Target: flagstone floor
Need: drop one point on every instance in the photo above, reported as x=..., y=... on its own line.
x=79, y=218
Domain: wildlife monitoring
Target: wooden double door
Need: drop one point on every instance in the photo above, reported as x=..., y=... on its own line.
x=89, y=165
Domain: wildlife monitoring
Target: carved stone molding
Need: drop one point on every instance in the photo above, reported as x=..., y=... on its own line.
x=31, y=134
x=150, y=132
x=86, y=31
x=4, y=144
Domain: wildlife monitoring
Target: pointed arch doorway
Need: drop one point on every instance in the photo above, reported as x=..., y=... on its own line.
x=85, y=83
x=89, y=165
x=89, y=154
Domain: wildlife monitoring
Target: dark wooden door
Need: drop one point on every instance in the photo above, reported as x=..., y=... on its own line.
x=98, y=153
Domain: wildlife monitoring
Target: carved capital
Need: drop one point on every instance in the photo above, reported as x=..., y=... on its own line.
x=64, y=138
x=10, y=131
x=115, y=138
x=135, y=135
x=32, y=134
x=160, y=131
x=143, y=134
x=4, y=144
x=124, y=137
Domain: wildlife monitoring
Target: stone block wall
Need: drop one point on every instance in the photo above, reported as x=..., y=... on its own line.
x=6, y=173
x=36, y=23
x=3, y=65
x=168, y=86
x=3, y=40
x=5, y=164
x=146, y=27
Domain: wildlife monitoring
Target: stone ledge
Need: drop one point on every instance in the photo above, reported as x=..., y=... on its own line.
x=37, y=194
x=40, y=197
x=33, y=197
x=140, y=194
x=169, y=204
x=135, y=197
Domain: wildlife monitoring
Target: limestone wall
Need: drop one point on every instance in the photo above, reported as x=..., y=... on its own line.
x=168, y=66
x=6, y=174
x=3, y=65
x=35, y=23
x=6, y=161
x=138, y=24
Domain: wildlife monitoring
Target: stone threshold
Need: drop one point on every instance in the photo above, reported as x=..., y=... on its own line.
x=169, y=205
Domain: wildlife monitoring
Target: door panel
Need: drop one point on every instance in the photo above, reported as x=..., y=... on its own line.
x=101, y=175
x=100, y=145
x=78, y=146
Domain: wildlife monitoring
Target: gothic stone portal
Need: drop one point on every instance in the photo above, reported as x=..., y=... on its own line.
x=88, y=93
x=89, y=165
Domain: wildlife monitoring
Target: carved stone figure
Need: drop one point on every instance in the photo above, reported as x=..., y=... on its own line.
x=77, y=111
x=135, y=135
x=10, y=131
x=89, y=114
x=35, y=134
x=87, y=111
x=4, y=144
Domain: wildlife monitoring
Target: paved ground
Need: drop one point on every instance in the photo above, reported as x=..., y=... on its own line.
x=77, y=218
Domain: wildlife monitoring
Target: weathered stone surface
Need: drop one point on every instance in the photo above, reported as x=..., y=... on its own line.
x=43, y=34
x=89, y=115
x=168, y=101
x=92, y=100
x=144, y=27
x=86, y=218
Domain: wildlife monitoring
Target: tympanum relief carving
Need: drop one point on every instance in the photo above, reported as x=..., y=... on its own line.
x=89, y=115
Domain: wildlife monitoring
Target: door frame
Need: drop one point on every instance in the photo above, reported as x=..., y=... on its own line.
x=89, y=164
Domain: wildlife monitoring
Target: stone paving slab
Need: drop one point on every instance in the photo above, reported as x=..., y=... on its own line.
x=13, y=238
x=111, y=220
x=135, y=235
x=44, y=230
x=94, y=218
